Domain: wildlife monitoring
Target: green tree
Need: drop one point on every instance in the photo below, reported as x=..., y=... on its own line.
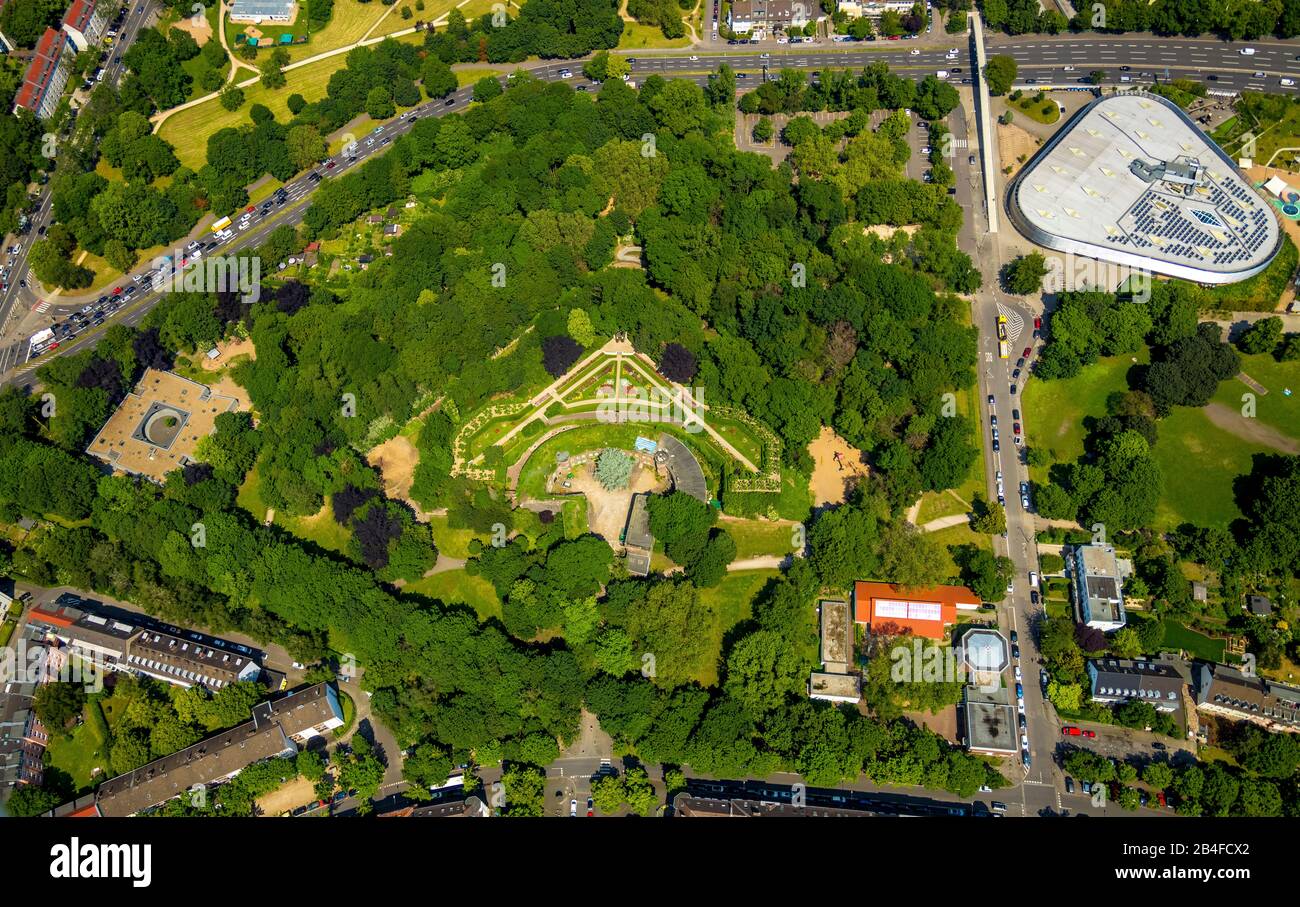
x=614, y=468
x=1000, y=73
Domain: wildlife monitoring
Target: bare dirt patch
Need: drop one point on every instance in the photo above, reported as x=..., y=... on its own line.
x=1251, y=430
x=396, y=459
x=837, y=466
x=607, y=510
x=227, y=352
x=298, y=792
x=1012, y=143
x=200, y=30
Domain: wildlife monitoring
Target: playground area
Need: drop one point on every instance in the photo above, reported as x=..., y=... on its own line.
x=837, y=468
x=606, y=508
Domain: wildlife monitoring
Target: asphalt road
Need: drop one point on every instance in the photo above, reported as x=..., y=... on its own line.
x=15, y=297
x=1040, y=58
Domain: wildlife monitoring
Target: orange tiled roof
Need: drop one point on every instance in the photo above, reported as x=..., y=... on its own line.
x=923, y=612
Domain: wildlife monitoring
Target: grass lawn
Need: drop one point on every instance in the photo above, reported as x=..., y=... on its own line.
x=78, y=755
x=470, y=76
x=1036, y=110
x=732, y=601
x=1203, y=494
x=320, y=528
x=1054, y=410
x=1198, y=644
x=457, y=586
x=188, y=130
x=451, y=542
x=1269, y=136
x=349, y=715
x=637, y=37
x=757, y=538
x=955, y=536
x=1273, y=408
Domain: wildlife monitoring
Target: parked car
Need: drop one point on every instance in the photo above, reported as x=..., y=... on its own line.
x=1070, y=731
x=573, y=807
x=1069, y=784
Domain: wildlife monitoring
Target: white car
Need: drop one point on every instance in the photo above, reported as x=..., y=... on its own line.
x=695, y=59
x=1288, y=82
x=1247, y=51
x=566, y=74
x=573, y=807
x=914, y=52
x=1018, y=677
x=1069, y=69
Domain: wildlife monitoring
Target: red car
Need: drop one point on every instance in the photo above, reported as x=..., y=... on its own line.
x=250, y=209
x=1038, y=323
x=1028, y=350
x=117, y=291
x=54, y=346
x=1160, y=798
x=1090, y=734
x=1017, y=427
x=1070, y=731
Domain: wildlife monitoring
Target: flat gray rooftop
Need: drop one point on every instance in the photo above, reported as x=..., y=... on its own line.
x=1083, y=192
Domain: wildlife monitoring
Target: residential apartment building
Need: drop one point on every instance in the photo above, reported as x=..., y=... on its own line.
x=276, y=728
x=1228, y=693
x=85, y=23
x=47, y=74
x=1113, y=681
x=22, y=737
x=766, y=16
x=873, y=9
x=118, y=645
x=1098, y=587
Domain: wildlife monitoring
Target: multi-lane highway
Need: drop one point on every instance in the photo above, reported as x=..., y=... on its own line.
x=19, y=296
x=1056, y=60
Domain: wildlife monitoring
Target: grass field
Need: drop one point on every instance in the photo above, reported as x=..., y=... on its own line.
x=457, y=586
x=320, y=528
x=1273, y=408
x=188, y=130
x=732, y=600
x=1054, y=410
x=940, y=504
x=470, y=76
x=955, y=536
x=638, y=37
x=758, y=538
x=1035, y=109
x=451, y=542
x=1198, y=644
x=1199, y=462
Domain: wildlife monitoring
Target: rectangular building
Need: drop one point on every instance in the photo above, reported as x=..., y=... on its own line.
x=275, y=729
x=765, y=15
x=894, y=610
x=85, y=23
x=1117, y=680
x=1227, y=692
x=123, y=646
x=873, y=9
x=47, y=74
x=837, y=681
x=282, y=11
x=990, y=722
x=1098, y=587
